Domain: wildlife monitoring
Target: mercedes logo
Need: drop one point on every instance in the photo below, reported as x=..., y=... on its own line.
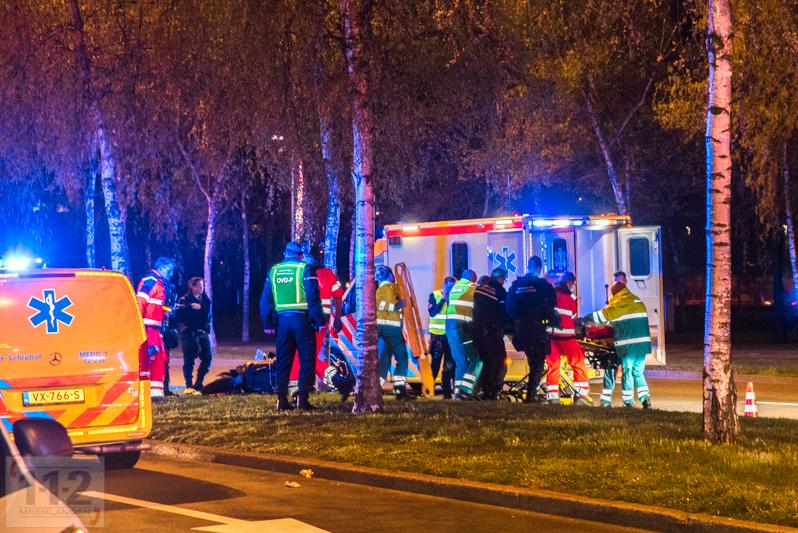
x=55, y=359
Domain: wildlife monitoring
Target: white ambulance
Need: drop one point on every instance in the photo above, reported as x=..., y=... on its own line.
x=593, y=247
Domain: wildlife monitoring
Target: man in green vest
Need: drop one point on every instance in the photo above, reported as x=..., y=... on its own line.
x=632, y=338
x=390, y=339
x=438, y=345
x=291, y=304
x=459, y=318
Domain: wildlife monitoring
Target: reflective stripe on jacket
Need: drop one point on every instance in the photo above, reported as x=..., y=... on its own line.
x=437, y=323
x=629, y=319
x=566, y=308
x=461, y=301
x=388, y=311
x=152, y=295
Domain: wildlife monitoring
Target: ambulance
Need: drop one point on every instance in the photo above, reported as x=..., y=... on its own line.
x=70, y=346
x=592, y=247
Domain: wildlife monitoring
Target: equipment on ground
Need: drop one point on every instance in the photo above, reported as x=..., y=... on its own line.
x=414, y=329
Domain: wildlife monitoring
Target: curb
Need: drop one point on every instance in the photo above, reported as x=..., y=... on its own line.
x=541, y=501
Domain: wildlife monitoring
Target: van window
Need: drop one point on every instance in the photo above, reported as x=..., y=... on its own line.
x=559, y=255
x=639, y=257
x=459, y=259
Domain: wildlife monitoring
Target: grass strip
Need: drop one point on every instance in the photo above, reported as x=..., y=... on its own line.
x=655, y=457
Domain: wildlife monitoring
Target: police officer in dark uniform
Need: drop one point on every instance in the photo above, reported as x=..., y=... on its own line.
x=194, y=315
x=490, y=321
x=291, y=304
x=530, y=304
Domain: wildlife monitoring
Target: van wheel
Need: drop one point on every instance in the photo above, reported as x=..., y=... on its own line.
x=122, y=460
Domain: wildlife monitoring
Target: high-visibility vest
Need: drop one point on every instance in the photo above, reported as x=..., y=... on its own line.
x=437, y=323
x=461, y=302
x=288, y=286
x=629, y=319
x=388, y=311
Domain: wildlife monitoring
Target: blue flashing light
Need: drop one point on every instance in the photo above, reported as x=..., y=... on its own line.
x=15, y=263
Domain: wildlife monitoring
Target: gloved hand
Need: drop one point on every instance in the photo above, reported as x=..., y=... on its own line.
x=152, y=351
x=338, y=324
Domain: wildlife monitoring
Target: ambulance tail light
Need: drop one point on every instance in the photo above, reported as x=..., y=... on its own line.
x=144, y=355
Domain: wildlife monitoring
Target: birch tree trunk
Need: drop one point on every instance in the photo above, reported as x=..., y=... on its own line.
x=368, y=393
x=791, y=247
x=333, y=224
x=88, y=203
x=721, y=424
x=612, y=173
x=210, y=245
x=116, y=222
x=247, y=273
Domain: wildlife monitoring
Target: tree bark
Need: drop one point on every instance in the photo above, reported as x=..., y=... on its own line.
x=89, y=194
x=116, y=222
x=210, y=245
x=721, y=424
x=368, y=392
x=247, y=273
x=791, y=247
x=333, y=224
x=612, y=173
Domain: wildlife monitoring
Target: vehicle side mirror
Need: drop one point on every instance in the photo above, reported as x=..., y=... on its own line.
x=41, y=437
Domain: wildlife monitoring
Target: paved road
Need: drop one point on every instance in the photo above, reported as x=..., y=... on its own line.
x=776, y=397
x=163, y=495
x=773, y=399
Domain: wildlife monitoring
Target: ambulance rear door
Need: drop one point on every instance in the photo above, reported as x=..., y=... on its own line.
x=639, y=255
x=506, y=250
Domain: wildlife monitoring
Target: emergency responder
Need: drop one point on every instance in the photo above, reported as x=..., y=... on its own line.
x=152, y=294
x=490, y=322
x=291, y=303
x=632, y=339
x=390, y=339
x=438, y=344
x=564, y=343
x=459, y=322
x=193, y=316
x=330, y=292
x=530, y=305
x=620, y=277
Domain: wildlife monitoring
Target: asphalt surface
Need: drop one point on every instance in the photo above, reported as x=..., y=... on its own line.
x=163, y=495
x=777, y=399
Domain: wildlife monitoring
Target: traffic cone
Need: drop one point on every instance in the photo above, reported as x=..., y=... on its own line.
x=750, y=401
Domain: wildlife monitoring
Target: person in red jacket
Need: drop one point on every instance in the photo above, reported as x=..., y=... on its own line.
x=152, y=295
x=563, y=342
x=331, y=292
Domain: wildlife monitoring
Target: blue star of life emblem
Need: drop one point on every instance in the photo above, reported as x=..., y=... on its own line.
x=505, y=259
x=50, y=311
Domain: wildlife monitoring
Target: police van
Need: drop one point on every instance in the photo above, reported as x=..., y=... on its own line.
x=70, y=348
x=593, y=247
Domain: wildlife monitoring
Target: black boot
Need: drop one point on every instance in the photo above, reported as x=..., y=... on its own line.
x=647, y=403
x=302, y=402
x=283, y=404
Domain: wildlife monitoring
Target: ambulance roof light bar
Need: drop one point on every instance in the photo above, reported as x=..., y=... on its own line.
x=15, y=263
x=568, y=222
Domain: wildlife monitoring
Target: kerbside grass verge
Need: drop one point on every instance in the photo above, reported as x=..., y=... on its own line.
x=634, y=456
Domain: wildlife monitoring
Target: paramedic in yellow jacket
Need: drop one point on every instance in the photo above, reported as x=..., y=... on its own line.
x=629, y=319
x=390, y=340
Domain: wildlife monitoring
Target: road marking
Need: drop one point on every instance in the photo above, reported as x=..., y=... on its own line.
x=226, y=524
x=787, y=404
